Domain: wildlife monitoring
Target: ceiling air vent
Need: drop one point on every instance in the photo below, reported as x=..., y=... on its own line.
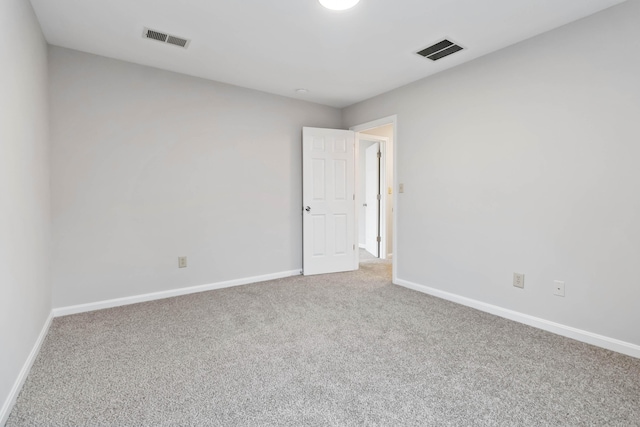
x=165, y=38
x=440, y=50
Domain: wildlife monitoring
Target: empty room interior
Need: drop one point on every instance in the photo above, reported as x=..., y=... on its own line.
x=319, y=212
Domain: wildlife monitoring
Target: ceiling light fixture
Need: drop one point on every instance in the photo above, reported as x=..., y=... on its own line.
x=339, y=4
x=302, y=91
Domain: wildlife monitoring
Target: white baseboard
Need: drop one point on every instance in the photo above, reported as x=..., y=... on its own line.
x=7, y=406
x=361, y=245
x=556, y=328
x=99, y=305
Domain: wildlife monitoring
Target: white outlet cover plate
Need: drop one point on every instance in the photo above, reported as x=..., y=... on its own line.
x=518, y=280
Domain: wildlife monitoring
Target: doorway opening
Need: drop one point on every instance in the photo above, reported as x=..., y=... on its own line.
x=375, y=190
x=371, y=188
x=332, y=203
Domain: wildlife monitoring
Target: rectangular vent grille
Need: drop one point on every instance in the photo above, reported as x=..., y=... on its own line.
x=156, y=36
x=177, y=41
x=440, y=50
x=165, y=38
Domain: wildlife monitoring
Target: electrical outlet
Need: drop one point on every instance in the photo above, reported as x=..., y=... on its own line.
x=558, y=288
x=182, y=262
x=401, y=188
x=518, y=280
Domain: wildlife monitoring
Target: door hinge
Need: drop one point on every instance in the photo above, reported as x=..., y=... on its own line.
x=354, y=197
x=379, y=197
x=379, y=154
x=354, y=246
x=379, y=239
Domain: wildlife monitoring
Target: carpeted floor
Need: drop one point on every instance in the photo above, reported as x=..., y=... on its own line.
x=340, y=349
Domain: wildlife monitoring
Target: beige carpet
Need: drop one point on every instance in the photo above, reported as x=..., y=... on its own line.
x=340, y=349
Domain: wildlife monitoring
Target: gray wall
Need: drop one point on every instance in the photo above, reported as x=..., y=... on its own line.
x=25, y=291
x=526, y=160
x=149, y=165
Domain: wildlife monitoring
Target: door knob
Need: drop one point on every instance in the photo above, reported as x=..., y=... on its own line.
x=308, y=209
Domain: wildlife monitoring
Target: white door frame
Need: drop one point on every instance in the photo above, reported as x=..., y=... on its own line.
x=390, y=120
x=384, y=141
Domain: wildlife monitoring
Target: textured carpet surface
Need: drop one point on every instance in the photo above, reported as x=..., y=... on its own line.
x=339, y=349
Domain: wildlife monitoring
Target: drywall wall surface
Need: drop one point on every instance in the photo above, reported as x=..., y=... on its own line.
x=25, y=290
x=387, y=132
x=149, y=165
x=526, y=160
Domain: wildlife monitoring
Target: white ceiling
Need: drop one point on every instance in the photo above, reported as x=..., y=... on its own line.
x=278, y=46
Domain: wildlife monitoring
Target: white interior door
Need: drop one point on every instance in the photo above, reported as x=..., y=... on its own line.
x=372, y=191
x=328, y=197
